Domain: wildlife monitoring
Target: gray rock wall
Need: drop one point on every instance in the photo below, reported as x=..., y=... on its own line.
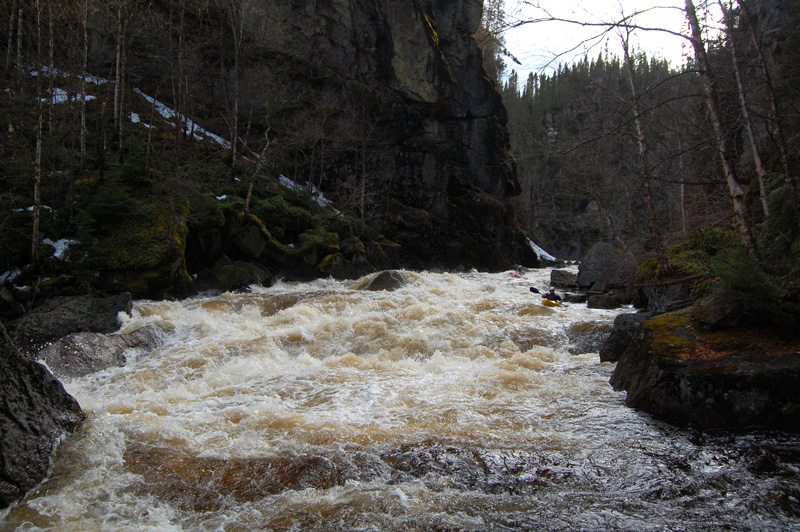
x=441, y=157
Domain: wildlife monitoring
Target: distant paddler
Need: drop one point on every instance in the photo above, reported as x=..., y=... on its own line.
x=551, y=299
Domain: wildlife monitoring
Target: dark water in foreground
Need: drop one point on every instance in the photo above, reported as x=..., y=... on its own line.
x=456, y=403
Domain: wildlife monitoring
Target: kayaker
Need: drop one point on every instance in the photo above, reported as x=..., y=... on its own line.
x=551, y=295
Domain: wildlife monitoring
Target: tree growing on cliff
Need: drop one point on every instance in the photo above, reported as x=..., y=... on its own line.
x=491, y=40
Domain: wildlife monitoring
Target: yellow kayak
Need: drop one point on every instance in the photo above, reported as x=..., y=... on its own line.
x=551, y=303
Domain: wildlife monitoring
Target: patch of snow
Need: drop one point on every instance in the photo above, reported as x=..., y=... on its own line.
x=10, y=276
x=95, y=80
x=542, y=254
x=60, y=246
x=136, y=119
x=61, y=96
x=318, y=196
x=190, y=127
x=30, y=209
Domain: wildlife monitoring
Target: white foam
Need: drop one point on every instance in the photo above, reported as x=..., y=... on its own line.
x=451, y=358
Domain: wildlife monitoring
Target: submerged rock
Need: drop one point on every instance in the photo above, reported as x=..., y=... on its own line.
x=35, y=414
x=727, y=379
x=387, y=280
x=587, y=336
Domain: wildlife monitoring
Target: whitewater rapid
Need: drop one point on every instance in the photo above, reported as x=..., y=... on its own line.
x=456, y=402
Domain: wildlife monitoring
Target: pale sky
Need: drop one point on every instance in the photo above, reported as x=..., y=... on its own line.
x=542, y=45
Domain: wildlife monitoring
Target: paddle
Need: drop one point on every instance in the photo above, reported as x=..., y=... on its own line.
x=535, y=291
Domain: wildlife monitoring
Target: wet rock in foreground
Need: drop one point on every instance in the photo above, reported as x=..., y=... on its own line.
x=35, y=414
x=732, y=379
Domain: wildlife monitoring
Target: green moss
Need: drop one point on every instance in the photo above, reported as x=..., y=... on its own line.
x=281, y=218
x=724, y=340
x=328, y=260
x=341, y=225
x=319, y=239
x=155, y=236
x=647, y=271
x=665, y=333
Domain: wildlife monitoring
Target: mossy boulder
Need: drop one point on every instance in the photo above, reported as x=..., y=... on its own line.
x=740, y=378
x=146, y=256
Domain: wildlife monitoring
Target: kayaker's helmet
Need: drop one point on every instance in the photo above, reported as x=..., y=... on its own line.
x=552, y=289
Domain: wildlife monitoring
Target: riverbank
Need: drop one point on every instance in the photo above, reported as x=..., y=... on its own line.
x=731, y=378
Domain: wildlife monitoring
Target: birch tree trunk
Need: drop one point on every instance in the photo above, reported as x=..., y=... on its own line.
x=711, y=96
x=254, y=179
x=760, y=170
x=644, y=172
x=20, y=19
x=10, y=46
x=774, y=115
x=84, y=73
x=51, y=64
x=37, y=162
x=117, y=61
x=236, y=16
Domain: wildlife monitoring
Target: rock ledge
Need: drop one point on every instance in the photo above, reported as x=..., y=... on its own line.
x=744, y=378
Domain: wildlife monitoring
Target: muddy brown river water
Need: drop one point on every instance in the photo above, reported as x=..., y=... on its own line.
x=456, y=403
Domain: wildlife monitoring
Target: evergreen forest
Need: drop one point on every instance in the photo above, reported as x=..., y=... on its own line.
x=626, y=149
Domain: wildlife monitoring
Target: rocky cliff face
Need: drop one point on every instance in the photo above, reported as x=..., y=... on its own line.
x=402, y=83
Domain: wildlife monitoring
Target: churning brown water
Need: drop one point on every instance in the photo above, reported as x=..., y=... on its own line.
x=458, y=402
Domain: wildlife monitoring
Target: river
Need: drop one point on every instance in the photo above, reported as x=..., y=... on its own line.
x=455, y=403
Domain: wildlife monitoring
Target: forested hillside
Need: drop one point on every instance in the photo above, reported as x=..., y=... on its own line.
x=145, y=141
x=691, y=168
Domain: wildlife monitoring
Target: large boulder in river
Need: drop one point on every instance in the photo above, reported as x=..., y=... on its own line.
x=35, y=414
x=606, y=268
x=725, y=379
x=388, y=280
x=563, y=279
x=79, y=354
x=61, y=316
x=625, y=327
